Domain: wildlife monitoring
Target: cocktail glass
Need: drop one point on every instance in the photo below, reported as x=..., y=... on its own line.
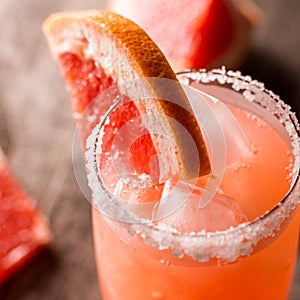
x=142, y=257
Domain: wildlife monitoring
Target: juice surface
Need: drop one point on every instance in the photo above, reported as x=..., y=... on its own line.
x=260, y=181
x=128, y=269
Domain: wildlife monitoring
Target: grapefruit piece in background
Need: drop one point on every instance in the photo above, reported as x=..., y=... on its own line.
x=99, y=49
x=23, y=230
x=195, y=33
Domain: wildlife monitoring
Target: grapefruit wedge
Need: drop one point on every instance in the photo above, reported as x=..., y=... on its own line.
x=195, y=33
x=99, y=49
x=23, y=230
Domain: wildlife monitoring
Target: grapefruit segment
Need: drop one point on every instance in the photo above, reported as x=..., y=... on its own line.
x=195, y=33
x=98, y=49
x=23, y=230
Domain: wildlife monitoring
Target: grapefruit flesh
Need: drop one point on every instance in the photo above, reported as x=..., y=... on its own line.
x=85, y=81
x=195, y=33
x=23, y=230
x=216, y=32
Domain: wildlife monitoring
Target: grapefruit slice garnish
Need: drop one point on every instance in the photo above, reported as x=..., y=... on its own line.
x=194, y=33
x=23, y=230
x=98, y=49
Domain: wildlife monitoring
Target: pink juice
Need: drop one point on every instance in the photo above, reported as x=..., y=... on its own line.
x=240, y=245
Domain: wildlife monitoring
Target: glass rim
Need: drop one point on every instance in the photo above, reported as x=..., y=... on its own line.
x=203, y=246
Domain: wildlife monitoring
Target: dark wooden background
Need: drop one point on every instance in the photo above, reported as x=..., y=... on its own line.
x=36, y=132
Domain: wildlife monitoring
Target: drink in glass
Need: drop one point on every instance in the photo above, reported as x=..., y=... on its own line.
x=230, y=235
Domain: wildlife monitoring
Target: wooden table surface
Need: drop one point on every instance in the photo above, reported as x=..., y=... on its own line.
x=36, y=133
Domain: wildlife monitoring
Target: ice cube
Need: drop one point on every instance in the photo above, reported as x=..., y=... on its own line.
x=226, y=141
x=180, y=210
x=215, y=119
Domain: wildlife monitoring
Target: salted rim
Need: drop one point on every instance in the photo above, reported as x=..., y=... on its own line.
x=233, y=242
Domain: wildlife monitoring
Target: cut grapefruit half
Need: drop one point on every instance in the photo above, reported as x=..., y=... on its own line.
x=195, y=33
x=99, y=49
x=23, y=230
